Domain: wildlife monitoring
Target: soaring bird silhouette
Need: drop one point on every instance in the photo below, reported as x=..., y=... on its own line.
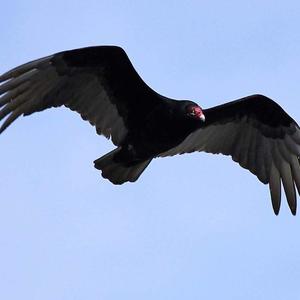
x=101, y=84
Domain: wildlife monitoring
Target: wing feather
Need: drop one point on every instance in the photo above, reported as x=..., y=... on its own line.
x=251, y=159
x=296, y=172
x=99, y=83
x=18, y=71
x=275, y=188
x=259, y=135
x=288, y=184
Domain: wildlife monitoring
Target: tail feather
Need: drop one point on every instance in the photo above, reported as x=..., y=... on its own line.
x=119, y=172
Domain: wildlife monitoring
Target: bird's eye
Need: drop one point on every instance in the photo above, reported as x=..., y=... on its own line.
x=193, y=113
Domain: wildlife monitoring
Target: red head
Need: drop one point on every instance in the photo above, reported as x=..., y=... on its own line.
x=195, y=111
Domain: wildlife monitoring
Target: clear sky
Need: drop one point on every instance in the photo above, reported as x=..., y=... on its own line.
x=193, y=227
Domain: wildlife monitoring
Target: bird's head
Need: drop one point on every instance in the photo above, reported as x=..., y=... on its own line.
x=195, y=112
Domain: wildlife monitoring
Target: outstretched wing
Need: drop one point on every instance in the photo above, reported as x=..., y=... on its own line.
x=100, y=83
x=260, y=136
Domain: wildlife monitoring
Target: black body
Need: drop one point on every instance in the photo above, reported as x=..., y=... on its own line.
x=101, y=84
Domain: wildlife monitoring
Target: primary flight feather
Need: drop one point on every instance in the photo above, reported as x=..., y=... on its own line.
x=101, y=84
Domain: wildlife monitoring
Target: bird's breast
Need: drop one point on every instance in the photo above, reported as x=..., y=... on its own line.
x=158, y=135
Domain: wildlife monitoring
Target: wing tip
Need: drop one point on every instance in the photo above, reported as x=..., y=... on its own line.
x=293, y=210
x=276, y=208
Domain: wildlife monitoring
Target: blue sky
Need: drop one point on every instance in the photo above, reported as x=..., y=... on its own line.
x=193, y=227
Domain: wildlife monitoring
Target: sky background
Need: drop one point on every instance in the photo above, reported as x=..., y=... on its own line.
x=193, y=227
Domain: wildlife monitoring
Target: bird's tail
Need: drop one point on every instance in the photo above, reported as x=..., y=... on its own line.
x=117, y=171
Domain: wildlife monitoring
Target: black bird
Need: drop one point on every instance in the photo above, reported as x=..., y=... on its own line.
x=101, y=84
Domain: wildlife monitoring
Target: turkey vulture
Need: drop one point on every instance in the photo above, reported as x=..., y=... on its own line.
x=101, y=84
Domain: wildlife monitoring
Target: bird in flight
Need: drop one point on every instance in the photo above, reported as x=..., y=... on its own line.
x=101, y=84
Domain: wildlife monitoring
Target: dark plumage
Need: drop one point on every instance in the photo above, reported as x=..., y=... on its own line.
x=101, y=84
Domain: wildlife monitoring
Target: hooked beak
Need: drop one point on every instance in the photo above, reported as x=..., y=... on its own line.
x=202, y=117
